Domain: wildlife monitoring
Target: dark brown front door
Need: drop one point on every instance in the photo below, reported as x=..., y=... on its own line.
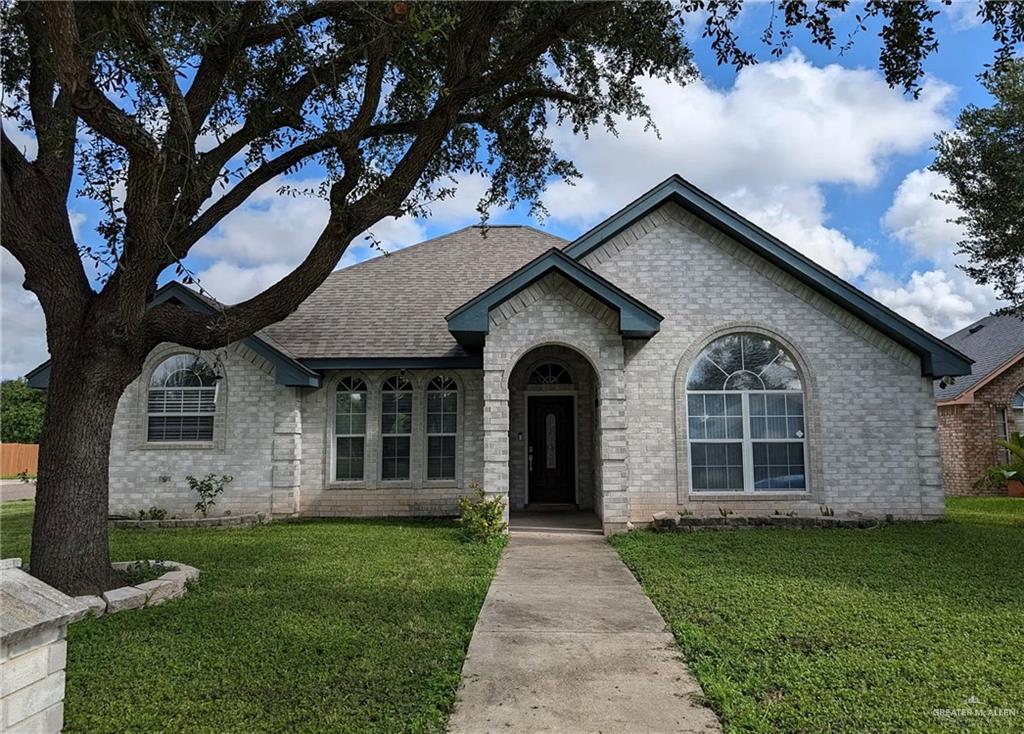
x=551, y=449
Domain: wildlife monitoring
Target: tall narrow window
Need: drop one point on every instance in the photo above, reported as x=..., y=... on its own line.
x=1018, y=410
x=745, y=415
x=1003, y=432
x=182, y=400
x=349, y=429
x=442, y=427
x=396, y=428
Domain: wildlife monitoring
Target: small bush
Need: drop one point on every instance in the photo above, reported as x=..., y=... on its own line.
x=208, y=488
x=482, y=519
x=153, y=513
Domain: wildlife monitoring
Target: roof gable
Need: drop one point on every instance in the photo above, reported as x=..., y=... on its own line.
x=995, y=343
x=938, y=359
x=287, y=370
x=470, y=323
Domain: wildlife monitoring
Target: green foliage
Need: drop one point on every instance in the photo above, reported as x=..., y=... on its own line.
x=997, y=475
x=21, y=412
x=826, y=511
x=139, y=573
x=320, y=626
x=724, y=512
x=983, y=158
x=849, y=630
x=153, y=513
x=482, y=520
x=208, y=488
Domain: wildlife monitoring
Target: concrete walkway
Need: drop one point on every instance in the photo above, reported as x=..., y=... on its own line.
x=567, y=641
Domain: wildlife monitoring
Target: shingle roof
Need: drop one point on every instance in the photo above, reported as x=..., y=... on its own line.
x=991, y=343
x=394, y=306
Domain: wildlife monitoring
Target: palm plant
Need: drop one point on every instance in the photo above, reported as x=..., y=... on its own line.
x=1010, y=473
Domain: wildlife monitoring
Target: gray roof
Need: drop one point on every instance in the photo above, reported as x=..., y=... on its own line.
x=394, y=306
x=991, y=343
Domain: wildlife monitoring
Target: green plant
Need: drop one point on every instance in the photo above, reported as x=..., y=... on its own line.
x=998, y=474
x=25, y=477
x=153, y=513
x=482, y=519
x=724, y=512
x=685, y=512
x=826, y=511
x=208, y=488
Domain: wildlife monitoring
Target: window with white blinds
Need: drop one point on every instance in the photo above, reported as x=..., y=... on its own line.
x=182, y=400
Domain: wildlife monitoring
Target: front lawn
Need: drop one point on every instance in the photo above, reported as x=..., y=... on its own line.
x=888, y=630
x=321, y=626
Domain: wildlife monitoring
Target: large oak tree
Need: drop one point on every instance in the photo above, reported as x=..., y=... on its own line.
x=391, y=100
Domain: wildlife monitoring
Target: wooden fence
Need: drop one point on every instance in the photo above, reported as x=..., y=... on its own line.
x=18, y=457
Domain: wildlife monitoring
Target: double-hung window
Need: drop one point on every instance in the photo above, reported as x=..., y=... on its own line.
x=182, y=400
x=396, y=428
x=442, y=427
x=745, y=418
x=349, y=429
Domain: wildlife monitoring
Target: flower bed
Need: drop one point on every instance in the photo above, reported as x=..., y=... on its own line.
x=193, y=522
x=666, y=522
x=171, y=585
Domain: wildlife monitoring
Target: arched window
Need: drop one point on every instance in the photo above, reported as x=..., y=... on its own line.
x=349, y=429
x=745, y=417
x=550, y=373
x=396, y=428
x=182, y=400
x=442, y=427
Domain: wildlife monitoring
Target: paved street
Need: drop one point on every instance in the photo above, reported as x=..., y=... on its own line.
x=15, y=489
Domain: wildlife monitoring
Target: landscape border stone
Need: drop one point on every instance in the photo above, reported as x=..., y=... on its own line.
x=171, y=585
x=257, y=518
x=666, y=522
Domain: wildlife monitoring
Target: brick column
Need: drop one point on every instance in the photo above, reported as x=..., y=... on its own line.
x=614, y=472
x=287, y=455
x=496, y=434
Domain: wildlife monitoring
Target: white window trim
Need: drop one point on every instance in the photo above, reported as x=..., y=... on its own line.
x=334, y=430
x=411, y=390
x=747, y=446
x=454, y=435
x=180, y=442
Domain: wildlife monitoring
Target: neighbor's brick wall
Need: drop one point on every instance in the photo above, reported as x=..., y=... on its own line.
x=249, y=406
x=321, y=497
x=967, y=432
x=872, y=421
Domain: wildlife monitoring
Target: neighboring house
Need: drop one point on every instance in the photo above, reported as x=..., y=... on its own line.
x=976, y=409
x=674, y=356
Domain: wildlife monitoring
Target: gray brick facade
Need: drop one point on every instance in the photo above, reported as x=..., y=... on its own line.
x=871, y=420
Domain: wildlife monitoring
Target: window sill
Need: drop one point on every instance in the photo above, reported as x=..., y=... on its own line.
x=177, y=445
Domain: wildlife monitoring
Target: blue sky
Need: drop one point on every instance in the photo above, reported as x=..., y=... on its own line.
x=814, y=147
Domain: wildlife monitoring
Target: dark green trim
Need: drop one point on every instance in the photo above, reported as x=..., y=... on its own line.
x=469, y=323
x=938, y=359
x=472, y=362
x=287, y=370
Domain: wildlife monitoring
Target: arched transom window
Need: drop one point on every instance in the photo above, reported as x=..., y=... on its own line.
x=550, y=373
x=349, y=429
x=396, y=428
x=745, y=417
x=182, y=400
x=442, y=427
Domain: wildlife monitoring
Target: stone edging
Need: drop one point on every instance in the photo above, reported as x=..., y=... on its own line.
x=172, y=585
x=667, y=523
x=193, y=522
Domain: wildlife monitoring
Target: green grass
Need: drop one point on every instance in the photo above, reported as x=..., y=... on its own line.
x=343, y=626
x=849, y=631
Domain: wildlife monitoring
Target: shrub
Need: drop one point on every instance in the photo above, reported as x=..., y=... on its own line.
x=153, y=513
x=482, y=519
x=208, y=488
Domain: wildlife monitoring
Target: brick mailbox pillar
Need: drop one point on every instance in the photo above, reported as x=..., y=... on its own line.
x=34, y=619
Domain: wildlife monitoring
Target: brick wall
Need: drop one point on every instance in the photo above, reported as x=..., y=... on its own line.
x=871, y=418
x=968, y=431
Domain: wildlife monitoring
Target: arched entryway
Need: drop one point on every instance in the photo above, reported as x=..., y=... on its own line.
x=554, y=452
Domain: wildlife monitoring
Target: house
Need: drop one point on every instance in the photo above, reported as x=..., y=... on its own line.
x=987, y=404
x=674, y=356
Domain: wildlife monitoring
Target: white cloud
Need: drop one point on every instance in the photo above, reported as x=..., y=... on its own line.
x=963, y=14
x=920, y=221
x=940, y=301
x=23, y=141
x=943, y=299
x=22, y=326
x=765, y=146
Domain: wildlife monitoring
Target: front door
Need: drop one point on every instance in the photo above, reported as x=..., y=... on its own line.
x=551, y=449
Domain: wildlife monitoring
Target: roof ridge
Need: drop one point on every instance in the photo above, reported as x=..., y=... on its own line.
x=435, y=238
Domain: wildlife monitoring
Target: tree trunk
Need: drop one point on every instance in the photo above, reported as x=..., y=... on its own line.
x=69, y=534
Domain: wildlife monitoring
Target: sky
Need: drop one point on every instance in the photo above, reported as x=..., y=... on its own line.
x=814, y=147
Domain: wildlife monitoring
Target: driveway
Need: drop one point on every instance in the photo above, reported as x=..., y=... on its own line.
x=567, y=641
x=15, y=489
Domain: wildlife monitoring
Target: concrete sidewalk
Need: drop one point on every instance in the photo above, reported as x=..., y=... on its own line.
x=567, y=641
